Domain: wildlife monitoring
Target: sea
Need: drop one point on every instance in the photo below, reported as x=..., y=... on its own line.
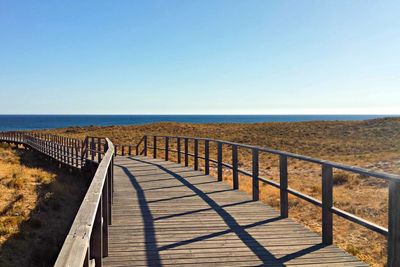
x=35, y=122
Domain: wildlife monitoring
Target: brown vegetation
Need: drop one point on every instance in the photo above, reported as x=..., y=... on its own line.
x=37, y=206
x=373, y=144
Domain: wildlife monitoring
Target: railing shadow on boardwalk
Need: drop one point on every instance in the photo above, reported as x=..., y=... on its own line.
x=152, y=254
x=152, y=250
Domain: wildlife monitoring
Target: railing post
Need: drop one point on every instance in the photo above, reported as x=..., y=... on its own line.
x=327, y=202
x=166, y=147
x=69, y=155
x=235, y=176
x=145, y=145
x=99, y=149
x=394, y=225
x=92, y=148
x=219, y=160
x=178, y=148
x=110, y=190
x=60, y=154
x=112, y=180
x=86, y=262
x=155, y=147
x=105, y=209
x=186, y=152
x=207, y=157
x=65, y=156
x=196, y=154
x=76, y=156
x=59, y=151
x=84, y=151
x=96, y=239
x=283, y=173
x=255, y=175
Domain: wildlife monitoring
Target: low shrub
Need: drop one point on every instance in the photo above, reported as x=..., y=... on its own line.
x=340, y=178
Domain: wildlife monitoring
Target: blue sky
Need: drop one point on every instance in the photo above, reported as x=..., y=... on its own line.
x=199, y=57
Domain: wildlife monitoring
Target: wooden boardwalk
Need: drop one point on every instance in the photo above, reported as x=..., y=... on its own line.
x=166, y=214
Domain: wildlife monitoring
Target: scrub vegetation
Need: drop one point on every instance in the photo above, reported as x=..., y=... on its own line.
x=37, y=206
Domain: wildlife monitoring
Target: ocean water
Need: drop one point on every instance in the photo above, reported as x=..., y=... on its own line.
x=31, y=122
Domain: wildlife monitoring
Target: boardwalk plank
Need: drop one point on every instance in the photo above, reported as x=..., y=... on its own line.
x=165, y=214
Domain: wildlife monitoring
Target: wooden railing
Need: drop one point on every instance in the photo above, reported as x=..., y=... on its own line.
x=65, y=150
x=87, y=241
x=129, y=150
x=93, y=149
x=327, y=167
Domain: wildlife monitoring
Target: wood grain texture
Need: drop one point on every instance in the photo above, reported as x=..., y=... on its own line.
x=166, y=214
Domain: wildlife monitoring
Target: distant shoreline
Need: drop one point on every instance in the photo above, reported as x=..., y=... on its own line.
x=41, y=122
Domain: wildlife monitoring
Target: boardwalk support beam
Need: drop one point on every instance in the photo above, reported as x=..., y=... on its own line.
x=327, y=202
x=219, y=159
x=394, y=225
x=96, y=240
x=178, y=148
x=255, y=174
x=166, y=148
x=145, y=145
x=155, y=147
x=186, y=152
x=235, y=176
x=207, y=157
x=284, y=200
x=196, y=154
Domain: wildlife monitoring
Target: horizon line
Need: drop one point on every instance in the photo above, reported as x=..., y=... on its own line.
x=199, y=114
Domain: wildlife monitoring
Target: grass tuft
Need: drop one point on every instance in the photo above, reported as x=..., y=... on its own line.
x=340, y=178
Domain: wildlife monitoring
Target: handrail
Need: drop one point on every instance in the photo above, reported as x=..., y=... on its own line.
x=64, y=150
x=381, y=175
x=327, y=167
x=87, y=241
x=88, y=236
x=129, y=150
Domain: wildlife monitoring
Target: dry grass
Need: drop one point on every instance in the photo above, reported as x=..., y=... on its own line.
x=373, y=144
x=37, y=206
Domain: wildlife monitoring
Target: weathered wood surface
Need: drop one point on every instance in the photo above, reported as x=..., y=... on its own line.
x=167, y=214
x=88, y=234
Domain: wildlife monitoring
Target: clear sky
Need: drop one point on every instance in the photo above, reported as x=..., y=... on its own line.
x=199, y=57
